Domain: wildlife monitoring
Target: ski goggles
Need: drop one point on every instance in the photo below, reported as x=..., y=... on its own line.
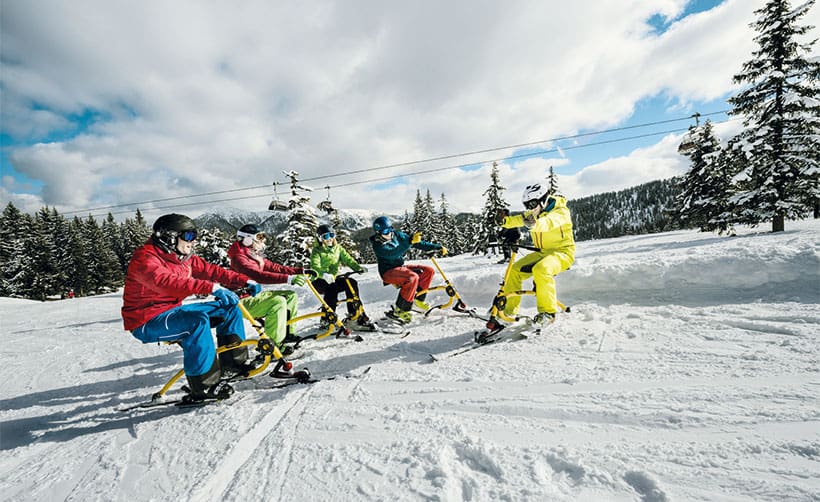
x=388, y=230
x=530, y=204
x=257, y=237
x=188, y=235
x=327, y=236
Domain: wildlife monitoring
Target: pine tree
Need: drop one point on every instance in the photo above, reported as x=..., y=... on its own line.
x=494, y=202
x=780, y=110
x=294, y=247
x=212, y=246
x=433, y=231
x=104, y=273
x=449, y=234
x=77, y=267
x=61, y=253
x=39, y=274
x=133, y=234
x=12, y=232
x=702, y=200
x=343, y=236
x=421, y=221
x=552, y=182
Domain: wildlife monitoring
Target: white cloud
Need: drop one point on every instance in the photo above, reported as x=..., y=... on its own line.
x=207, y=96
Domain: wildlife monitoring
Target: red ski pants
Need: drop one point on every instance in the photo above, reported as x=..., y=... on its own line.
x=409, y=278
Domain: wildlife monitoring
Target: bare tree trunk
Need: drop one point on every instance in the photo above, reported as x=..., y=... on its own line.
x=778, y=223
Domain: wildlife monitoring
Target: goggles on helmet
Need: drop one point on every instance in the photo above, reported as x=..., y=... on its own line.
x=247, y=239
x=388, y=230
x=188, y=235
x=327, y=236
x=530, y=204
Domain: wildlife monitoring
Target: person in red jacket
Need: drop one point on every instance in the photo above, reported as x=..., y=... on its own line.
x=165, y=271
x=276, y=306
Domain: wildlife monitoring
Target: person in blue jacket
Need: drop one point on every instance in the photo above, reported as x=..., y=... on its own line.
x=390, y=246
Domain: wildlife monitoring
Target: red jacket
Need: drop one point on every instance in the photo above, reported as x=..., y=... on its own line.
x=157, y=281
x=272, y=273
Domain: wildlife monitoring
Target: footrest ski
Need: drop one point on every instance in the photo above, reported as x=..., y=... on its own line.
x=487, y=338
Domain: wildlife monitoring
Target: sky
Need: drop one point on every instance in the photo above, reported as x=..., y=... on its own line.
x=105, y=104
x=685, y=371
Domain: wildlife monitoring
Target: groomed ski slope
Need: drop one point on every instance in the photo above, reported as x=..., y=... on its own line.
x=687, y=370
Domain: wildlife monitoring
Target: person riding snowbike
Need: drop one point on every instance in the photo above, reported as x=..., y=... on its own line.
x=550, y=224
x=163, y=272
x=325, y=258
x=274, y=306
x=390, y=246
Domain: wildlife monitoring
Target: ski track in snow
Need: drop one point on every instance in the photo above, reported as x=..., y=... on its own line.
x=687, y=370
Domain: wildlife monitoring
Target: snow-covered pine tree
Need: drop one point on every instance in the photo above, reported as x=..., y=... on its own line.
x=493, y=202
x=552, y=181
x=77, y=266
x=212, y=245
x=104, y=273
x=421, y=221
x=113, y=234
x=61, y=251
x=449, y=234
x=133, y=234
x=343, y=236
x=781, y=118
x=702, y=200
x=293, y=247
x=433, y=232
x=11, y=245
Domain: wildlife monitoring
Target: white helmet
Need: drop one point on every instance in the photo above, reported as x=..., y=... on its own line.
x=533, y=194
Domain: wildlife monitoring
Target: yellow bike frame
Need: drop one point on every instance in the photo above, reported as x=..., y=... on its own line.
x=334, y=324
x=263, y=345
x=500, y=299
x=452, y=294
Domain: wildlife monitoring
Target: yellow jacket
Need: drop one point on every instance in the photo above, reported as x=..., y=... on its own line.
x=552, y=230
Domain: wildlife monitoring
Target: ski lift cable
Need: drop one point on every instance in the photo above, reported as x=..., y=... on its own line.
x=520, y=145
x=374, y=180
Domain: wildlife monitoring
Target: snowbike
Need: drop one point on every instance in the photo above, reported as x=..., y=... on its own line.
x=353, y=299
x=493, y=324
x=328, y=315
x=265, y=349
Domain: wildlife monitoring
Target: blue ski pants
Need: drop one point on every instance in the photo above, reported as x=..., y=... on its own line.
x=190, y=325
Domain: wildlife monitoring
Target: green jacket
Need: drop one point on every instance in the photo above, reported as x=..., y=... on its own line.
x=326, y=260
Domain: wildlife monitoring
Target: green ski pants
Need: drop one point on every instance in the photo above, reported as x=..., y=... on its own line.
x=276, y=307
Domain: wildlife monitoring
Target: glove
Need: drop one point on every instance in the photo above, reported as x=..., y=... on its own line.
x=361, y=270
x=299, y=280
x=443, y=251
x=254, y=288
x=529, y=219
x=312, y=274
x=225, y=297
x=500, y=216
x=416, y=238
x=328, y=278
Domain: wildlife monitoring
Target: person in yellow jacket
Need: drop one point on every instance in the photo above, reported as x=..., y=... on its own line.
x=550, y=224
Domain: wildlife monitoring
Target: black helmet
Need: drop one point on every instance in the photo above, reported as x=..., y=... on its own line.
x=323, y=229
x=170, y=227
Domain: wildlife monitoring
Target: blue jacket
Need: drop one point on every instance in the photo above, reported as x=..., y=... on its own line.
x=390, y=254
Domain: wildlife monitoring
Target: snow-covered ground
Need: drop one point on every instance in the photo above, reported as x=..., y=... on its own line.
x=687, y=370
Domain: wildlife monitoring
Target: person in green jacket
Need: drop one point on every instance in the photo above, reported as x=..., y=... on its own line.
x=325, y=258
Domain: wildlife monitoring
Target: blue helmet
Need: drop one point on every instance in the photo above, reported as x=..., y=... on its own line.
x=382, y=225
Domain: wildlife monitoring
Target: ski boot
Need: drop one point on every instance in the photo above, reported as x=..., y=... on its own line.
x=399, y=316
